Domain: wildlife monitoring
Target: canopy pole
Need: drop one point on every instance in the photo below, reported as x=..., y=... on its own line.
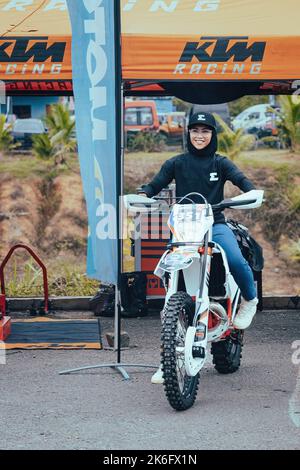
x=119, y=98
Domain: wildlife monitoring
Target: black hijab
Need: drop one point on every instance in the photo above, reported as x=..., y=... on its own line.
x=209, y=150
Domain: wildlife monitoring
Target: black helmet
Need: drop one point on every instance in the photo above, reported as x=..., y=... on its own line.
x=202, y=118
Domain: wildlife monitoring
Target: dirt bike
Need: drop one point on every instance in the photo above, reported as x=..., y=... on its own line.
x=201, y=300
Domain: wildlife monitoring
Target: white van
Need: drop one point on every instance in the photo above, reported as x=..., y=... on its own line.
x=258, y=119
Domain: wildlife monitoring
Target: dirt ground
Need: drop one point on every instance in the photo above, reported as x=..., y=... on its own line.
x=277, y=279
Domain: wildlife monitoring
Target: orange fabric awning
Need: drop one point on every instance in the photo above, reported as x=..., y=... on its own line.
x=162, y=41
x=211, y=40
x=35, y=46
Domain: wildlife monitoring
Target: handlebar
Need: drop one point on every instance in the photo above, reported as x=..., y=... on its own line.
x=237, y=201
x=227, y=203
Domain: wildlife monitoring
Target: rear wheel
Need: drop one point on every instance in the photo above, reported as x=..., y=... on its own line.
x=227, y=353
x=181, y=389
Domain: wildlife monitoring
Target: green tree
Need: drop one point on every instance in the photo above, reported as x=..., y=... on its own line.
x=232, y=143
x=6, y=138
x=182, y=105
x=59, y=144
x=56, y=147
x=43, y=147
x=289, y=117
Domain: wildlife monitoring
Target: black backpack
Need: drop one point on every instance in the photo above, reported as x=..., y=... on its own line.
x=250, y=249
x=133, y=297
x=103, y=302
x=133, y=294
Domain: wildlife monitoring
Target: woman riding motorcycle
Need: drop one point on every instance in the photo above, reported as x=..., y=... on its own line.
x=204, y=171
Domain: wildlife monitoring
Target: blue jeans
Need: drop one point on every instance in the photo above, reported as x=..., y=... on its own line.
x=238, y=266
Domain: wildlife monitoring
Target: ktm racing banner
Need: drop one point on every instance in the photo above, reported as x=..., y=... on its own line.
x=210, y=40
x=93, y=61
x=35, y=45
x=161, y=40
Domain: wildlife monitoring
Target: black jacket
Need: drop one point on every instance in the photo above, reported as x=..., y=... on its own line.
x=205, y=175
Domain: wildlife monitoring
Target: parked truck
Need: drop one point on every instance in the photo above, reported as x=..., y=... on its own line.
x=172, y=126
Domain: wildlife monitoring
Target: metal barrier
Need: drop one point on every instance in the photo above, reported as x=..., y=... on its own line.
x=39, y=262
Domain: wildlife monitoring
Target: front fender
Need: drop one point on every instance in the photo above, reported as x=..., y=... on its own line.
x=159, y=272
x=173, y=261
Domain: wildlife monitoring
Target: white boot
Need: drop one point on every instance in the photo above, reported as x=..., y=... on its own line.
x=157, y=378
x=245, y=314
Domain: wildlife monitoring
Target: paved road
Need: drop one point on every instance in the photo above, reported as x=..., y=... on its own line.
x=255, y=408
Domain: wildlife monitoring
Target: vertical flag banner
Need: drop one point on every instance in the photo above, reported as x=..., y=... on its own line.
x=93, y=62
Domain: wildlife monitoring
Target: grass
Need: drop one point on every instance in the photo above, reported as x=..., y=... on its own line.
x=22, y=167
x=64, y=279
x=144, y=158
x=27, y=165
x=268, y=159
x=141, y=167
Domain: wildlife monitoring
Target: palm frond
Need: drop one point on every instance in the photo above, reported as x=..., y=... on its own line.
x=6, y=138
x=60, y=143
x=290, y=120
x=232, y=143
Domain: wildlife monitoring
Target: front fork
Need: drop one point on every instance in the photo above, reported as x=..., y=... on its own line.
x=197, y=334
x=195, y=347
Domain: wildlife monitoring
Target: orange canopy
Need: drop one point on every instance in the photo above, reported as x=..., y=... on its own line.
x=217, y=39
x=35, y=46
x=164, y=44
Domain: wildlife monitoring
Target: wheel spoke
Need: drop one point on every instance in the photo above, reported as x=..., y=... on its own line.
x=182, y=324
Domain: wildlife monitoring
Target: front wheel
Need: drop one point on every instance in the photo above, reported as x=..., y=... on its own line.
x=181, y=389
